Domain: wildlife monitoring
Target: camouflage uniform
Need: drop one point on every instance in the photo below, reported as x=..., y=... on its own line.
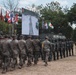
x=14, y=51
x=57, y=49
x=5, y=55
x=67, y=48
x=1, y=40
x=22, y=51
x=51, y=50
x=30, y=48
x=36, y=50
x=71, y=47
x=63, y=48
x=54, y=49
x=46, y=45
x=60, y=48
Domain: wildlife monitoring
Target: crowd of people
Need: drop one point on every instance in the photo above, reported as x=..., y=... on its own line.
x=15, y=52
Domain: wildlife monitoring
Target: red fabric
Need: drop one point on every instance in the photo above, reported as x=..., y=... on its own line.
x=9, y=20
x=16, y=18
x=7, y=14
x=1, y=16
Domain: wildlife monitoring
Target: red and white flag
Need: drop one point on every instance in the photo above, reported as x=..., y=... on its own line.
x=8, y=17
x=16, y=18
x=7, y=14
x=9, y=20
x=50, y=25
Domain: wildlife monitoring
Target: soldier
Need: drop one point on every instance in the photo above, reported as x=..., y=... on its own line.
x=1, y=39
x=51, y=50
x=30, y=48
x=14, y=52
x=57, y=48
x=63, y=47
x=71, y=47
x=46, y=45
x=41, y=53
x=36, y=50
x=68, y=48
x=5, y=55
x=60, y=48
x=22, y=51
x=54, y=49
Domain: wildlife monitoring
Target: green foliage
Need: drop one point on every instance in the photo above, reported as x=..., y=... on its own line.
x=19, y=27
x=72, y=14
x=4, y=27
x=53, y=13
x=74, y=35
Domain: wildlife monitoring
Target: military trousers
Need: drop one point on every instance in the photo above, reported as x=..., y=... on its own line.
x=46, y=56
x=5, y=62
x=29, y=58
x=36, y=56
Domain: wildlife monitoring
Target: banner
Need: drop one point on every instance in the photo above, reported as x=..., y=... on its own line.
x=29, y=22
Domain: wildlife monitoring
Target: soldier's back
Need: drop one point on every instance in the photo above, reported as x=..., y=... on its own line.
x=29, y=44
x=22, y=46
x=14, y=46
x=46, y=44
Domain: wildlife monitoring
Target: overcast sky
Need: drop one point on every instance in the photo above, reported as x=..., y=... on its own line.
x=63, y=3
x=24, y=3
x=69, y=3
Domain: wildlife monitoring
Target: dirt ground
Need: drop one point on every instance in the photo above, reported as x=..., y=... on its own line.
x=65, y=66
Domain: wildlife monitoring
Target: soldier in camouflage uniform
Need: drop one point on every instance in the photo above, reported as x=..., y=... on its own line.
x=67, y=48
x=54, y=49
x=14, y=52
x=60, y=48
x=0, y=51
x=22, y=51
x=36, y=50
x=71, y=44
x=46, y=45
x=50, y=54
x=63, y=47
x=30, y=48
x=57, y=48
x=5, y=54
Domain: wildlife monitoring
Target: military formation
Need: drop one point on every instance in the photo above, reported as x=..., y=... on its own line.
x=16, y=53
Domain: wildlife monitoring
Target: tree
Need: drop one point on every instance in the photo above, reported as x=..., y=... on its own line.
x=65, y=10
x=54, y=6
x=74, y=35
x=72, y=14
x=10, y=5
x=4, y=27
x=53, y=13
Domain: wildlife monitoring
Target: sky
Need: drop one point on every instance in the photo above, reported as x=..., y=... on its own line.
x=63, y=3
x=24, y=3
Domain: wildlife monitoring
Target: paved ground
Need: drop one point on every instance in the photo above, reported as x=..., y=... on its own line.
x=65, y=66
